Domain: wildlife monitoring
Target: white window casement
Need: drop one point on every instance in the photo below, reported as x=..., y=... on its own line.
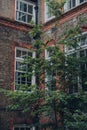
x=24, y=11
x=48, y=15
x=23, y=127
x=70, y=4
x=81, y=51
x=22, y=68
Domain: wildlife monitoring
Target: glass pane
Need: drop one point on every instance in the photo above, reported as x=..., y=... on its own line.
x=27, y=128
x=83, y=40
x=23, y=78
x=24, y=67
x=49, y=53
x=16, y=81
x=21, y=16
x=49, y=13
x=76, y=88
x=29, y=18
x=18, y=53
x=23, y=7
x=18, y=77
x=30, y=54
x=86, y=52
x=73, y=3
x=17, y=4
x=82, y=53
x=30, y=9
x=24, y=54
x=29, y=80
x=17, y=15
x=81, y=1
x=70, y=4
x=16, y=128
x=22, y=128
x=84, y=79
x=18, y=65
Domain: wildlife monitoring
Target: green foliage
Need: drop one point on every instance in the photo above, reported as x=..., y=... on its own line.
x=56, y=7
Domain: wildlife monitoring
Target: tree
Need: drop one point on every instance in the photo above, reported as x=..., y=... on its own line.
x=56, y=77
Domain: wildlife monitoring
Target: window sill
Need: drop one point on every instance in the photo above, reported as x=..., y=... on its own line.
x=47, y=20
x=25, y=22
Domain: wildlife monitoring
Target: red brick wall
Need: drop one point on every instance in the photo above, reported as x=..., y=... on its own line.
x=12, y=34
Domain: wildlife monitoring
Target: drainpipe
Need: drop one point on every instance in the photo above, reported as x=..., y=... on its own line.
x=37, y=56
x=36, y=12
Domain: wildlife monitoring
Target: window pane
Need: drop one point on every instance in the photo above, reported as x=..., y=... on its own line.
x=83, y=66
x=30, y=9
x=17, y=4
x=84, y=79
x=30, y=54
x=51, y=79
x=23, y=7
x=84, y=40
x=24, y=54
x=17, y=15
x=86, y=52
x=49, y=12
x=82, y=53
x=27, y=128
x=70, y=4
x=18, y=53
x=21, y=16
x=73, y=3
x=29, y=80
x=16, y=128
x=23, y=78
x=18, y=65
x=73, y=86
x=19, y=77
x=81, y=1
x=29, y=18
x=22, y=129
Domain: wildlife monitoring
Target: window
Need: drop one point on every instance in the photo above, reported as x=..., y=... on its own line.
x=50, y=76
x=21, y=68
x=81, y=1
x=72, y=73
x=83, y=67
x=72, y=3
x=24, y=11
x=48, y=13
x=81, y=51
x=23, y=127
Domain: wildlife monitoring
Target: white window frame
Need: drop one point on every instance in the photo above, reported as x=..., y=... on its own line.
x=77, y=3
x=21, y=59
x=23, y=126
x=81, y=47
x=46, y=13
x=25, y=13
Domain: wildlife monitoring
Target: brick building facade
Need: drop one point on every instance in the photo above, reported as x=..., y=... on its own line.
x=15, y=23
